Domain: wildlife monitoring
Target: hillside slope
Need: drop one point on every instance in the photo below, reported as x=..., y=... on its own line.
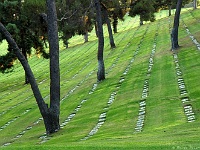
x=149, y=100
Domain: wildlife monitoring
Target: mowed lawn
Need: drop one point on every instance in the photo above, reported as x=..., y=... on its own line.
x=149, y=100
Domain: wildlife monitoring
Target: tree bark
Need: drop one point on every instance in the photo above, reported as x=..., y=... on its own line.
x=170, y=10
x=112, y=43
x=25, y=56
x=195, y=4
x=54, y=110
x=115, y=22
x=141, y=21
x=174, y=32
x=86, y=37
x=101, y=68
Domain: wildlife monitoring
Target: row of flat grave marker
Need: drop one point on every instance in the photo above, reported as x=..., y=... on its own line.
x=183, y=92
x=124, y=49
x=102, y=117
x=23, y=132
x=14, y=119
x=44, y=137
x=194, y=40
x=142, y=103
x=198, y=20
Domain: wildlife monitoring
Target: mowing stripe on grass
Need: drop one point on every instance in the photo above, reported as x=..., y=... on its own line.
x=188, y=110
x=142, y=103
x=102, y=117
x=71, y=91
x=44, y=138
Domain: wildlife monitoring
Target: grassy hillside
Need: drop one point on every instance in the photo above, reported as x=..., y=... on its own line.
x=149, y=100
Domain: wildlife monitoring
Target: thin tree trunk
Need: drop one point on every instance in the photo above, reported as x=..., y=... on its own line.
x=174, y=32
x=170, y=10
x=25, y=56
x=86, y=37
x=141, y=21
x=54, y=110
x=101, y=67
x=112, y=43
x=115, y=22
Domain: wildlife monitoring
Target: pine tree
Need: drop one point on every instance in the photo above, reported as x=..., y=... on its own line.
x=144, y=8
x=25, y=28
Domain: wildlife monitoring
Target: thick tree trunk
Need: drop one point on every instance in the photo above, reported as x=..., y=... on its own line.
x=195, y=4
x=101, y=68
x=52, y=122
x=41, y=104
x=115, y=22
x=174, y=32
x=112, y=43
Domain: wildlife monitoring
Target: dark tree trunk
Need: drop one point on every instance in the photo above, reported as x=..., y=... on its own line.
x=54, y=111
x=115, y=22
x=170, y=10
x=25, y=56
x=101, y=68
x=96, y=29
x=195, y=4
x=174, y=32
x=141, y=21
x=112, y=43
x=86, y=37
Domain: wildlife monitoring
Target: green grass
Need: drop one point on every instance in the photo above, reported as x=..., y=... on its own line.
x=165, y=124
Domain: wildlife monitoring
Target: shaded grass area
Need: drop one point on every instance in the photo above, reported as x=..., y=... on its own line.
x=165, y=125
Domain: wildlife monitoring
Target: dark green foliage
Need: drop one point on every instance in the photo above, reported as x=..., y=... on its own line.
x=144, y=8
x=74, y=17
x=25, y=26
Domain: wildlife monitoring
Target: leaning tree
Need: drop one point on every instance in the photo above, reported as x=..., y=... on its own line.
x=50, y=113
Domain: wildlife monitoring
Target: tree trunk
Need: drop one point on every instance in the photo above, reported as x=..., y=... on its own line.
x=96, y=29
x=101, y=68
x=54, y=111
x=195, y=4
x=174, y=32
x=112, y=43
x=141, y=21
x=170, y=10
x=115, y=22
x=86, y=37
x=25, y=56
